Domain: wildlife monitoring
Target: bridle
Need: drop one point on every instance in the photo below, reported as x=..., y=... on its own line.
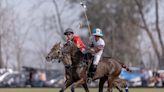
x=62, y=55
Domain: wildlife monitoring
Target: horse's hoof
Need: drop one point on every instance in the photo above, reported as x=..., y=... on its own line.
x=61, y=91
x=72, y=89
x=109, y=90
x=127, y=90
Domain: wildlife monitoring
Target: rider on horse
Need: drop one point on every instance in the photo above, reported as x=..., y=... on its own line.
x=74, y=38
x=96, y=48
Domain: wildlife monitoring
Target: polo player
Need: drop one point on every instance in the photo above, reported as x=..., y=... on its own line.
x=70, y=37
x=97, y=47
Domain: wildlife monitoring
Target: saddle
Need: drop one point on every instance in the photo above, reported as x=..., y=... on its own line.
x=88, y=57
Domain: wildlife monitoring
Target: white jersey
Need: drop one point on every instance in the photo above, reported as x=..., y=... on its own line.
x=100, y=43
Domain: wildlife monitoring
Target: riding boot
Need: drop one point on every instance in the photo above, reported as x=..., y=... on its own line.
x=92, y=73
x=72, y=88
x=94, y=67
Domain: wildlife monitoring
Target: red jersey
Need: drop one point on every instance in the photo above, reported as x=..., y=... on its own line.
x=79, y=43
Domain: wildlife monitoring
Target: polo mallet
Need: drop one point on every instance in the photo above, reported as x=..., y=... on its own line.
x=89, y=28
x=86, y=17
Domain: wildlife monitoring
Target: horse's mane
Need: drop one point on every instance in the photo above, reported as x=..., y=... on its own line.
x=70, y=47
x=106, y=57
x=74, y=51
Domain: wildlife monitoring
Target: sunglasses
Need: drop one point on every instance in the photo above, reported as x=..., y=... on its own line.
x=68, y=34
x=97, y=36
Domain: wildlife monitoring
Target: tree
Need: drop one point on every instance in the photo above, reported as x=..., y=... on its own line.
x=6, y=25
x=142, y=9
x=13, y=37
x=123, y=21
x=116, y=18
x=51, y=27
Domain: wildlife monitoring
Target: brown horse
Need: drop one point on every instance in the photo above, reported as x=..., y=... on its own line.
x=71, y=77
x=107, y=70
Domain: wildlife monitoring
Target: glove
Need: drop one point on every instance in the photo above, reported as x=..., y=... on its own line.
x=91, y=50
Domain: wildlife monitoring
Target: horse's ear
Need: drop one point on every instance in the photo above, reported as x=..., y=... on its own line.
x=55, y=44
x=59, y=43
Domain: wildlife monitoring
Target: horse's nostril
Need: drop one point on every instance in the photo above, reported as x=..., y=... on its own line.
x=47, y=57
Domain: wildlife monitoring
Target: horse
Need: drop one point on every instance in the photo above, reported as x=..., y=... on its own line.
x=61, y=54
x=103, y=72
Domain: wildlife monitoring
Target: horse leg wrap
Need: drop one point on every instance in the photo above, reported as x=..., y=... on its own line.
x=127, y=88
x=61, y=90
x=72, y=88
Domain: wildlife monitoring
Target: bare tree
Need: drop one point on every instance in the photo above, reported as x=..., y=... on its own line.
x=116, y=18
x=122, y=22
x=50, y=29
x=45, y=36
x=6, y=25
x=161, y=63
x=58, y=14
x=141, y=7
x=13, y=36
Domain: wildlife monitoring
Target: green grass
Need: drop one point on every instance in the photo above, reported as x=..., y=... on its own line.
x=77, y=90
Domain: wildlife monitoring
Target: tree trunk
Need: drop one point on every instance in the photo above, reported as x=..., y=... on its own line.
x=148, y=31
x=59, y=19
x=161, y=63
x=1, y=60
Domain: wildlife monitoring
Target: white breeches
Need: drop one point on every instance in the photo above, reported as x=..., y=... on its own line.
x=96, y=59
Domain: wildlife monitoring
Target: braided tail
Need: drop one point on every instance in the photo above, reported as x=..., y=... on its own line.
x=125, y=67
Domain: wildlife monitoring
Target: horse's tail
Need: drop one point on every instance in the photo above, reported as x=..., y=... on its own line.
x=125, y=67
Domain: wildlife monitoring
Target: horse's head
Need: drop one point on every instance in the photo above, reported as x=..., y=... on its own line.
x=54, y=53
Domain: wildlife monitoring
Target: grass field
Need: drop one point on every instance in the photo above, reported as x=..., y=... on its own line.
x=77, y=90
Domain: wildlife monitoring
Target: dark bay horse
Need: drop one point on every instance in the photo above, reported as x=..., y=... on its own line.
x=62, y=55
x=107, y=70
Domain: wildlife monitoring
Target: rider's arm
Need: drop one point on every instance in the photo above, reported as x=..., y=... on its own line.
x=77, y=41
x=98, y=48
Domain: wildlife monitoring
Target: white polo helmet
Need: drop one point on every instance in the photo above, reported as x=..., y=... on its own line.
x=97, y=32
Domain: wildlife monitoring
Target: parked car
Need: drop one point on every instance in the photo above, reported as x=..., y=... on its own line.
x=133, y=78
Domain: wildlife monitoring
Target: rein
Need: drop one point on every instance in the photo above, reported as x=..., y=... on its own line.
x=76, y=62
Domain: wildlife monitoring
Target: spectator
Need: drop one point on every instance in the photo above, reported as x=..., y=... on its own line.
x=35, y=79
x=144, y=77
x=42, y=78
x=158, y=78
